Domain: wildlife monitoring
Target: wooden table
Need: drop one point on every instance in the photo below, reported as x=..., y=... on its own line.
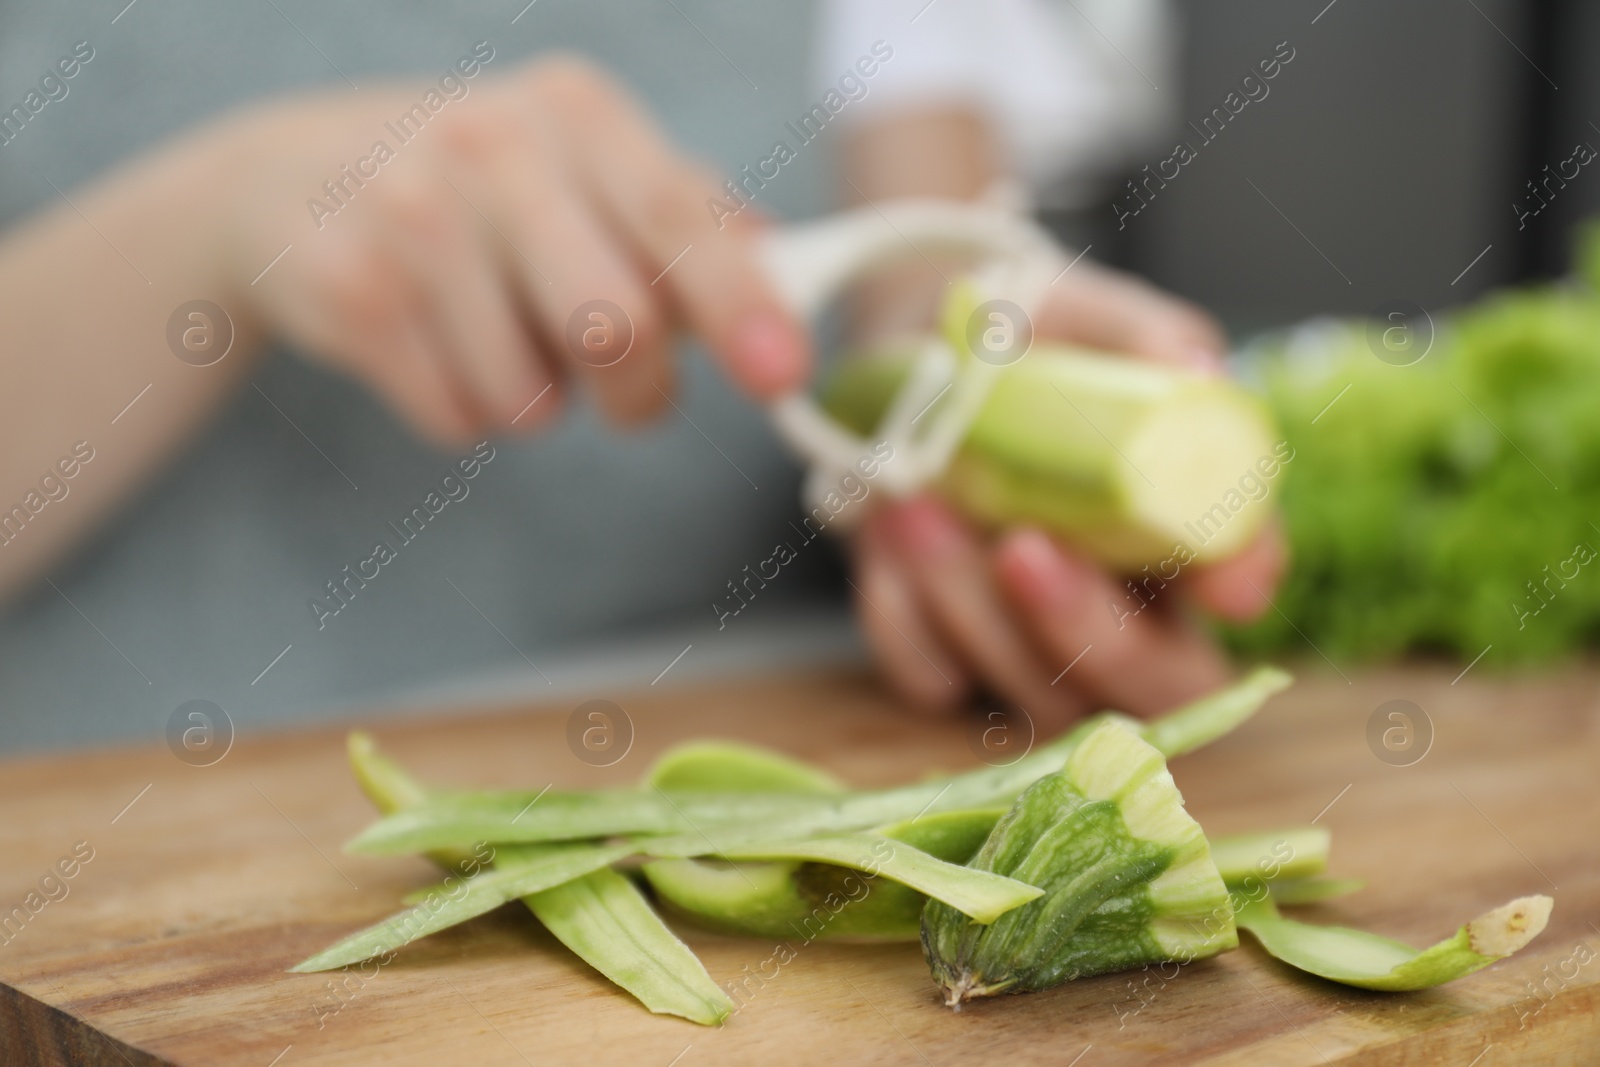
x=171, y=943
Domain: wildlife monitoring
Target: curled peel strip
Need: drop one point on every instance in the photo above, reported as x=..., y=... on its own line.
x=813, y=262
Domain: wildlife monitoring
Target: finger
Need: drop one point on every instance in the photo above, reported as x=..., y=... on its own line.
x=464, y=299
x=368, y=314
x=1237, y=588
x=912, y=654
x=608, y=328
x=953, y=575
x=584, y=291
x=1102, y=308
x=662, y=204
x=1124, y=650
x=418, y=383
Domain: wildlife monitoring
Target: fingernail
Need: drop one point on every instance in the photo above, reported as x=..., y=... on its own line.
x=1040, y=572
x=769, y=354
x=926, y=530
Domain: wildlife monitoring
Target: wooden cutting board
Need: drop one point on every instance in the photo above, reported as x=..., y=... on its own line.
x=205, y=883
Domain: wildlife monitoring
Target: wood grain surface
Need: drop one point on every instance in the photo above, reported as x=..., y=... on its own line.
x=170, y=944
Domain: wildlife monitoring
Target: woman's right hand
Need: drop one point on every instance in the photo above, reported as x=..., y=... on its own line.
x=459, y=278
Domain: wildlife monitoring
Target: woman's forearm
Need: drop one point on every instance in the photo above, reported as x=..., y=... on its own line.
x=92, y=397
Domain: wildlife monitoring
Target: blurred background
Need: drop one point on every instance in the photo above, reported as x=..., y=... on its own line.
x=1398, y=140
x=1385, y=164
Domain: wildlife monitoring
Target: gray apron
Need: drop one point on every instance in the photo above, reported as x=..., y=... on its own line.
x=195, y=588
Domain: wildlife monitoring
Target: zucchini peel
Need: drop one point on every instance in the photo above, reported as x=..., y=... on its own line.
x=1369, y=961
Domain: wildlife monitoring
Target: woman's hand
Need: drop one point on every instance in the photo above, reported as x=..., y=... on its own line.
x=947, y=609
x=458, y=274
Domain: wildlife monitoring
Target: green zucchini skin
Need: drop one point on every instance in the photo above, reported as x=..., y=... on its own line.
x=600, y=915
x=793, y=898
x=817, y=900
x=1127, y=877
x=680, y=822
x=1369, y=961
x=1051, y=446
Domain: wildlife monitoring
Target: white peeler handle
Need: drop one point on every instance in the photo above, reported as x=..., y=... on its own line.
x=812, y=262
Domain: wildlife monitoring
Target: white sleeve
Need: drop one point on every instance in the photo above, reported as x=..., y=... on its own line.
x=1071, y=85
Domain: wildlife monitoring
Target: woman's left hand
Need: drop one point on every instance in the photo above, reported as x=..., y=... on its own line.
x=948, y=609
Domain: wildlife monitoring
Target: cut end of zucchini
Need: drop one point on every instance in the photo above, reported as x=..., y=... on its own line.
x=1213, y=499
x=1509, y=927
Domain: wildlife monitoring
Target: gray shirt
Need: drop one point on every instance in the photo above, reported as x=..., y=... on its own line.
x=193, y=590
